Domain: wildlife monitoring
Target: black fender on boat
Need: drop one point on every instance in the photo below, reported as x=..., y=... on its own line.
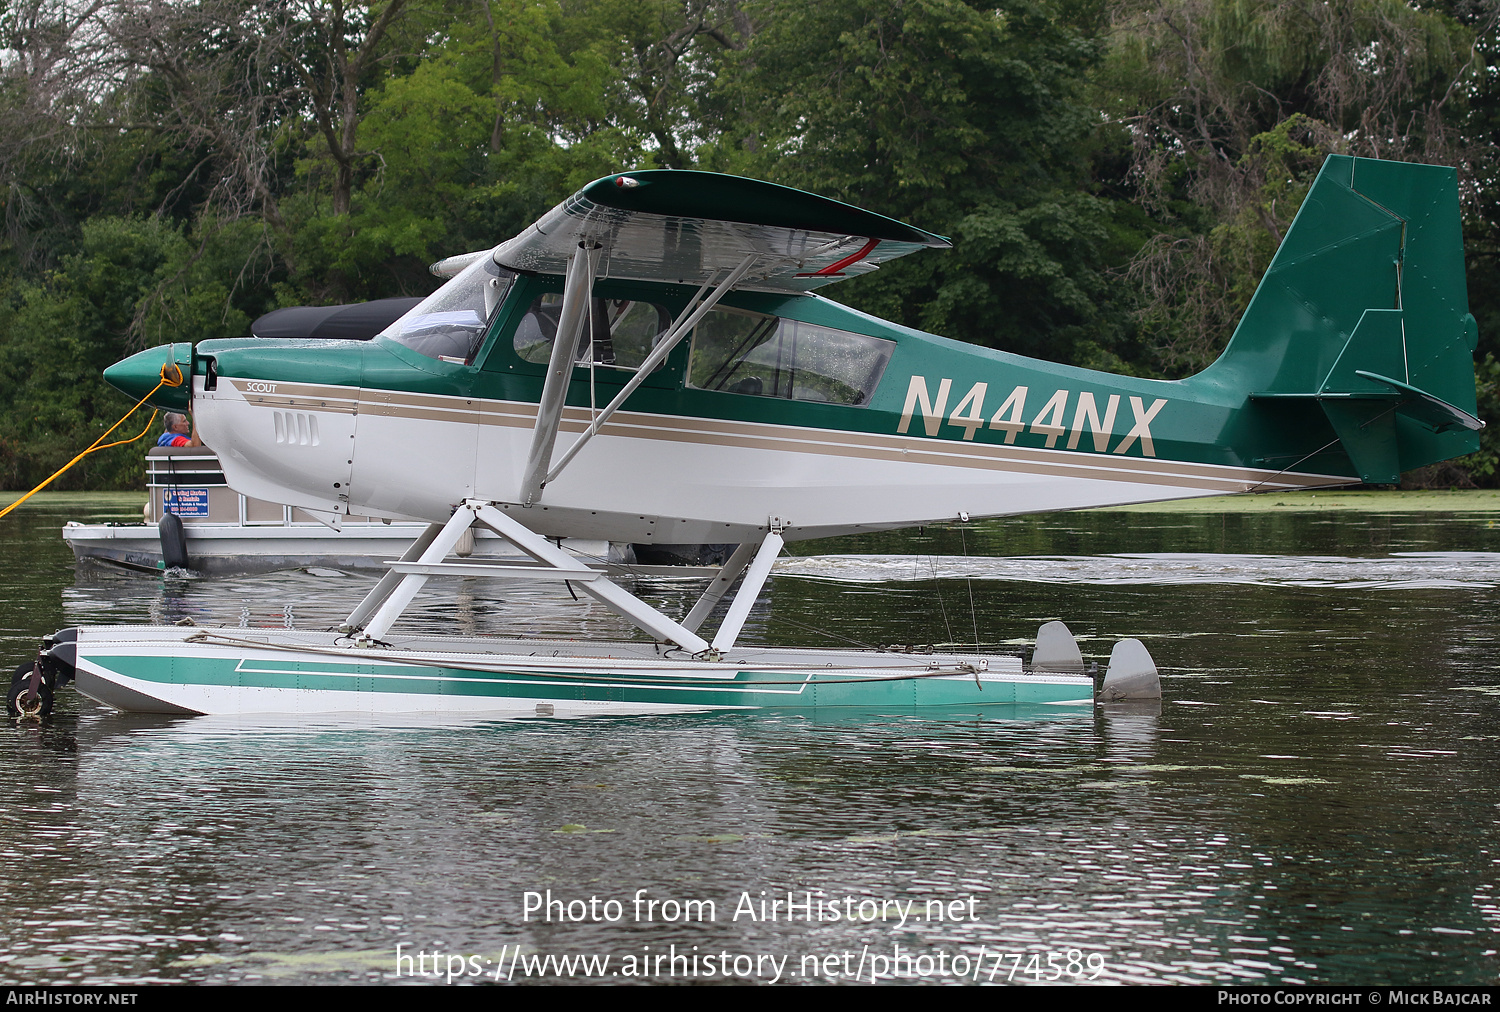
x=174, y=553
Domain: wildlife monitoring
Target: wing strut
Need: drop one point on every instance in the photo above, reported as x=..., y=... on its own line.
x=577, y=290
x=685, y=322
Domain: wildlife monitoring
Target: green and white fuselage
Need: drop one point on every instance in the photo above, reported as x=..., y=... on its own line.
x=949, y=430
x=833, y=420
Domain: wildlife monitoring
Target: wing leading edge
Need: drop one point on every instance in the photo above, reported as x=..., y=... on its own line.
x=685, y=226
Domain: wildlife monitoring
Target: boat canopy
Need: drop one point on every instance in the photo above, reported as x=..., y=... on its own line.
x=358, y=321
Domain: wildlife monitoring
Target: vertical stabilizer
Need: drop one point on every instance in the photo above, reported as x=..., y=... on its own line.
x=1360, y=333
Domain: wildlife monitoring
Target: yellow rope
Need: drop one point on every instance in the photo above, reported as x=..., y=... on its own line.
x=165, y=382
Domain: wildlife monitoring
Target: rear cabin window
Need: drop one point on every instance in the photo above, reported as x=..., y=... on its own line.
x=746, y=353
x=622, y=335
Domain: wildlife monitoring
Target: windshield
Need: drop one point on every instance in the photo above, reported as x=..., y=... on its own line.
x=449, y=325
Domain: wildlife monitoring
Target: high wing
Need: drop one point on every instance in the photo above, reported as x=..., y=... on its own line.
x=675, y=226
x=720, y=232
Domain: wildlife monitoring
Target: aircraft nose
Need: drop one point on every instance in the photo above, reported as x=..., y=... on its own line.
x=139, y=374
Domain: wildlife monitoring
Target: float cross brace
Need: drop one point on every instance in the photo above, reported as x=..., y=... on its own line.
x=390, y=597
x=380, y=609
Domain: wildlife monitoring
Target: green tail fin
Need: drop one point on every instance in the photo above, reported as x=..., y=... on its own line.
x=1364, y=313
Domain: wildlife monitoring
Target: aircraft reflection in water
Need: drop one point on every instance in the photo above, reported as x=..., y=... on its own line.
x=649, y=363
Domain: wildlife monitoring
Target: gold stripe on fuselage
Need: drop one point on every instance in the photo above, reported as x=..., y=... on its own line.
x=767, y=436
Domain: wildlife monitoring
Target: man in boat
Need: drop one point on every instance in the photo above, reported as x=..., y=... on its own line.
x=179, y=432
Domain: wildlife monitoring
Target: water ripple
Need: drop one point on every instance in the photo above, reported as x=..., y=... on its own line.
x=1398, y=571
x=1315, y=801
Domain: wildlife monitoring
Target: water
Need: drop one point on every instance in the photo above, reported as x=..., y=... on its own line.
x=1315, y=802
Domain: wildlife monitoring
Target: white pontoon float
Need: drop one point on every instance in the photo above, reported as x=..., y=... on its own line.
x=364, y=668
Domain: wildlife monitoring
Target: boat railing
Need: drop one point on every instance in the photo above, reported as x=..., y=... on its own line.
x=189, y=481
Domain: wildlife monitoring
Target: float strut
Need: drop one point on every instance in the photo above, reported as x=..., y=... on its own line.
x=409, y=584
x=388, y=582
x=616, y=598
x=396, y=589
x=744, y=598
x=728, y=573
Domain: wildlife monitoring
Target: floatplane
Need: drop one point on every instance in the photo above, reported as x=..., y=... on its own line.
x=651, y=362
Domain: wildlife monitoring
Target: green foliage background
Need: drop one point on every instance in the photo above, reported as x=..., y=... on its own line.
x=1116, y=175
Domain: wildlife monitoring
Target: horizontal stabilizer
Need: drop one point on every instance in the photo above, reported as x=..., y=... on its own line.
x=1362, y=404
x=1433, y=412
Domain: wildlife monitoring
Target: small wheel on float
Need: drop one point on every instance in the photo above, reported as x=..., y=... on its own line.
x=20, y=701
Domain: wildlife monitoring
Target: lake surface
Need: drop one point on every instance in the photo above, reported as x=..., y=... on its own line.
x=1316, y=801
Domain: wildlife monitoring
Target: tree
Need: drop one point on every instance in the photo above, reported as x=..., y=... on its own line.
x=334, y=51
x=129, y=275
x=965, y=118
x=50, y=53
x=1230, y=107
x=669, y=58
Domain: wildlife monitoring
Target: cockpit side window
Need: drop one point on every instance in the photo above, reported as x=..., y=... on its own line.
x=450, y=324
x=746, y=353
x=538, y=328
x=622, y=331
